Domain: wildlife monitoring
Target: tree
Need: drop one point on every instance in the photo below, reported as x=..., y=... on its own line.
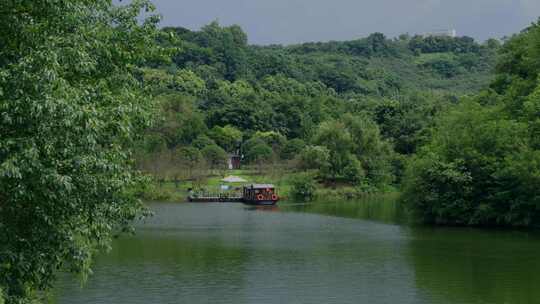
x=314, y=157
x=353, y=171
x=405, y=122
x=237, y=104
x=189, y=158
x=442, y=44
x=202, y=141
x=273, y=139
x=478, y=169
x=303, y=187
x=292, y=148
x=257, y=151
x=215, y=156
x=181, y=81
x=260, y=152
x=374, y=153
x=189, y=83
x=339, y=80
x=71, y=106
x=181, y=121
x=229, y=45
x=228, y=137
x=438, y=191
x=336, y=138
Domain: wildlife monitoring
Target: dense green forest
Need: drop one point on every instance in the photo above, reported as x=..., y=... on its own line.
x=89, y=92
x=481, y=165
x=348, y=111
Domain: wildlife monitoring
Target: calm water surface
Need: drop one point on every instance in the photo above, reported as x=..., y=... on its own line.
x=321, y=253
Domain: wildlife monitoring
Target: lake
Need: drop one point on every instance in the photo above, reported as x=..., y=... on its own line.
x=347, y=252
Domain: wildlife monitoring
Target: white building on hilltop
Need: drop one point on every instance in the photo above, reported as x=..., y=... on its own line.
x=442, y=33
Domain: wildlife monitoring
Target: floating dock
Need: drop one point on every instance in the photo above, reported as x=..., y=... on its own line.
x=215, y=199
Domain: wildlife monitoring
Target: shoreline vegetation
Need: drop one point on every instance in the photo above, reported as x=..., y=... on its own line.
x=361, y=116
x=316, y=119
x=178, y=191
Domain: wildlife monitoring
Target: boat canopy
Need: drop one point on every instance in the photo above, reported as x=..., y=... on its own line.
x=261, y=186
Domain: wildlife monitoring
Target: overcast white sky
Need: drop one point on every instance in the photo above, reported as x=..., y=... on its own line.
x=292, y=21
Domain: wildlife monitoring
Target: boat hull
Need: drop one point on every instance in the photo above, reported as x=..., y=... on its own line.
x=231, y=200
x=261, y=203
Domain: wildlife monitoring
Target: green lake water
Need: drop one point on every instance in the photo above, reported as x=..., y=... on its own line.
x=348, y=252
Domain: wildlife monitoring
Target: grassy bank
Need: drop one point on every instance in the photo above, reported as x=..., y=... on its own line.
x=170, y=191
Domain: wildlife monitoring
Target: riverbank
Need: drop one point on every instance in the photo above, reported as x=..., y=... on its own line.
x=177, y=192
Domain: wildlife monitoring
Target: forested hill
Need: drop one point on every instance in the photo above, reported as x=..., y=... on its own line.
x=215, y=61
x=354, y=106
x=374, y=65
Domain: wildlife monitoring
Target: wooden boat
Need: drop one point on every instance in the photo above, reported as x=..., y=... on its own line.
x=260, y=194
x=254, y=194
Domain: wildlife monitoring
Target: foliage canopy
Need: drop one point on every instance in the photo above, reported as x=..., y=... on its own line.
x=70, y=105
x=482, y=163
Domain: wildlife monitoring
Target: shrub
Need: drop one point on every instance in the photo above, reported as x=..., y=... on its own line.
x=438, y=192
x=153, y=193
x=314, y=157
x=478, y=169
x=215, y=156
x=303, y=187
x=353, y=171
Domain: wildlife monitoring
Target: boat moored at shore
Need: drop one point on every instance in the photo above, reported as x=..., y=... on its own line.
x=252, y=194
x=260, y=194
